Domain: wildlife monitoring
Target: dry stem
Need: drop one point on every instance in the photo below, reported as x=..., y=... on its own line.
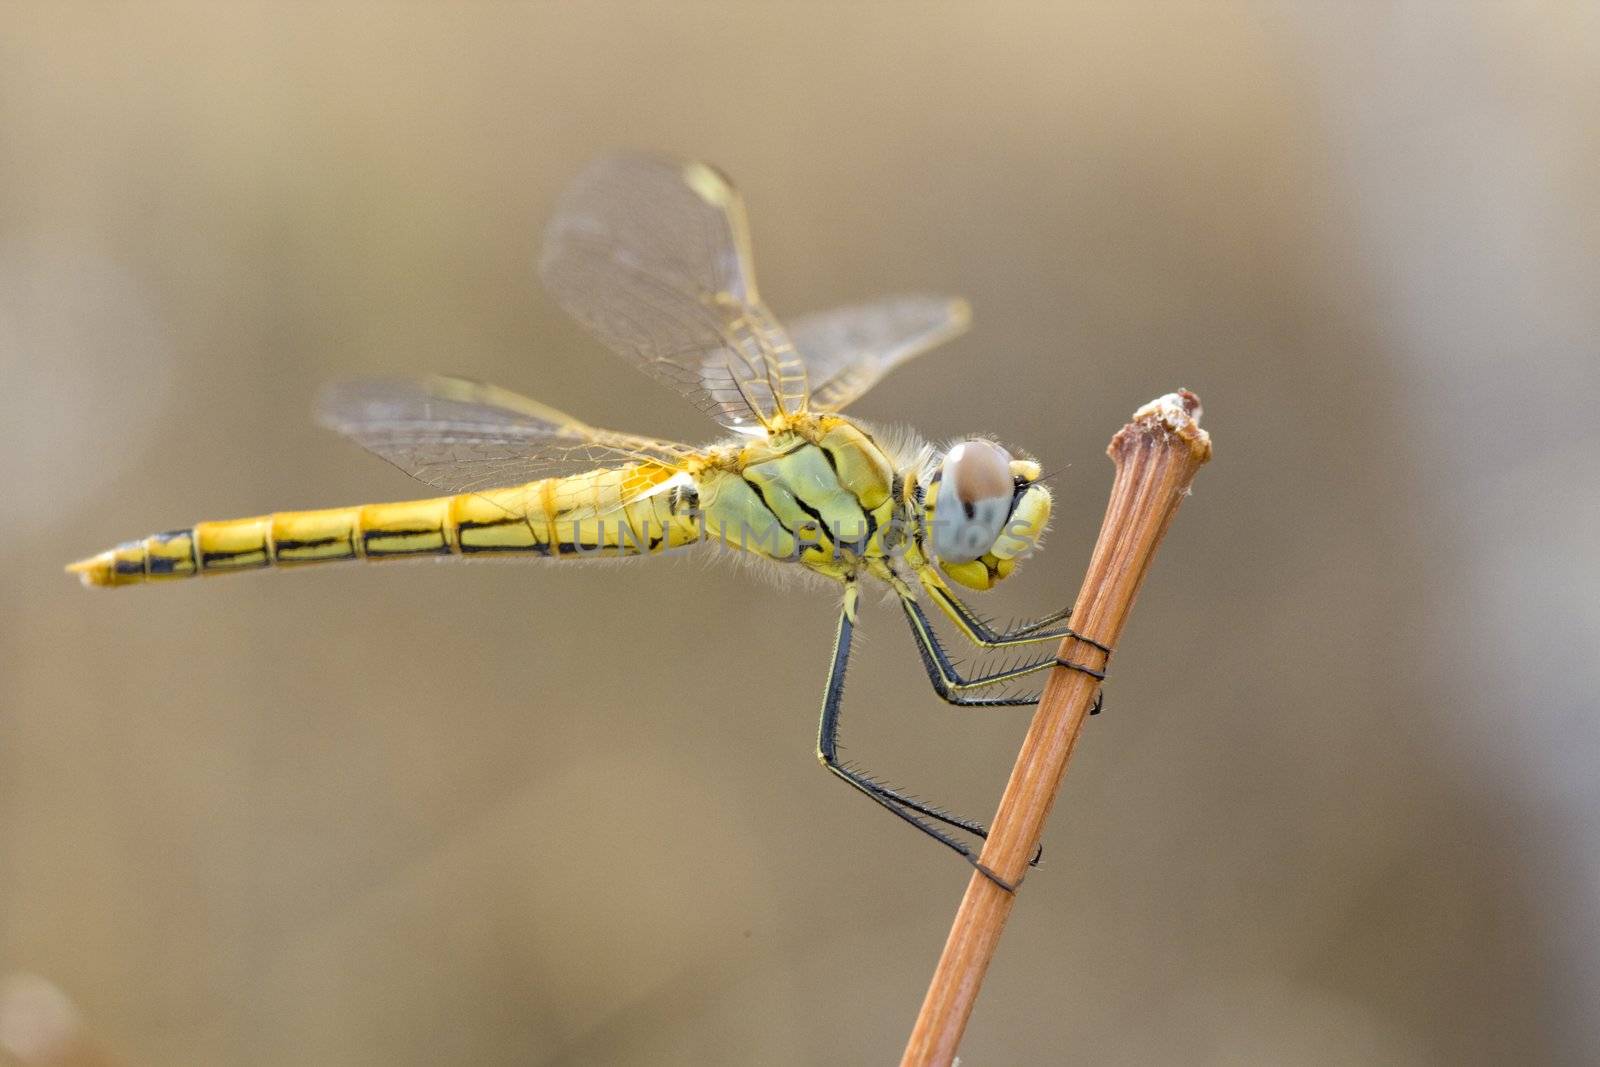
x=1157, y=456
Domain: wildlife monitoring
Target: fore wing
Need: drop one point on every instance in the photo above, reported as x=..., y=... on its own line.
x=464, y=436
x=653, y=256
x=847, y=350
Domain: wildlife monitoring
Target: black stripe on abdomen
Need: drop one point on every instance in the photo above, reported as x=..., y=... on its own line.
x=389, y=542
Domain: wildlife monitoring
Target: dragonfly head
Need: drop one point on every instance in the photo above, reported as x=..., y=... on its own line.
x=982, y=511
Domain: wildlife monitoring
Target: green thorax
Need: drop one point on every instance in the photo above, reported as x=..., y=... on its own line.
x=820, y=492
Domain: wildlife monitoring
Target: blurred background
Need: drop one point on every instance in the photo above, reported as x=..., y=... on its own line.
x=1342, y=807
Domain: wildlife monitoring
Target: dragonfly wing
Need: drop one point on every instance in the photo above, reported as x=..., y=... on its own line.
x=847, y=350
x=653, y=256
x=464, y=436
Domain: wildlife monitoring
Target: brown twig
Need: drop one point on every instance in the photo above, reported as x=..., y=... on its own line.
x=1157, y=456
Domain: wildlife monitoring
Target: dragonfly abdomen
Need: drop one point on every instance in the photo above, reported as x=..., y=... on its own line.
x=599, y=514
x=289, y=538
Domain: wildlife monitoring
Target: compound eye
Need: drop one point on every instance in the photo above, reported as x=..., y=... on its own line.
x=975, y=497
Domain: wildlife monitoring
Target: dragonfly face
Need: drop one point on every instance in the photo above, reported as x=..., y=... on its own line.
x=983, y=511
x=653, y=255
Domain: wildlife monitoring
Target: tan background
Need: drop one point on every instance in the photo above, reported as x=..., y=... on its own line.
x=1343, y=806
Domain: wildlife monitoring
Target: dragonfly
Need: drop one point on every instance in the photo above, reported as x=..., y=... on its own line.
x=652, y=254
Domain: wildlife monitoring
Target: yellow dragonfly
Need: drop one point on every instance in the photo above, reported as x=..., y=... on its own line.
x=653, y=255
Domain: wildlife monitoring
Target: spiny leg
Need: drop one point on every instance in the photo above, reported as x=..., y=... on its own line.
x=947, y=680
x=950, y=686
x=977, y=630
x=942, y=673
x=904, y=807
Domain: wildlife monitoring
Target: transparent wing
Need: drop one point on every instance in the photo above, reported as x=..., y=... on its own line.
x=847, y=350
x=464, y=436
x=653, y=255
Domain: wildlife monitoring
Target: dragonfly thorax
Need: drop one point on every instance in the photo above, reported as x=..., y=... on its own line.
x=824, y=493
x=820, y=492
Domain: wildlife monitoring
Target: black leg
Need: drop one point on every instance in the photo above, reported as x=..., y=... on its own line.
x=1100, y=695
x=904, y=807
x=947, y=681
x=977, y=629
x=949, y=684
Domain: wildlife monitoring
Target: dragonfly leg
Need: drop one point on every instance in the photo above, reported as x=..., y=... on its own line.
x=951, y=687
x=978, y=630
x=914, y=811
x=948, y=682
